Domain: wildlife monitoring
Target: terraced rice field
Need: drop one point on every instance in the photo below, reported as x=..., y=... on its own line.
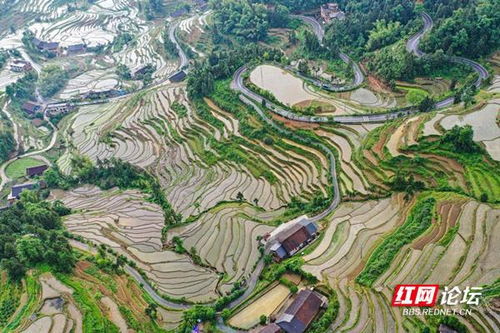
x=484, y=123
x=464, y=259
x=368, y=98
x=287, y=88
x=227, y=240
x=152, y=135
x=96, y=25
x=95, y=80
x=131, y=226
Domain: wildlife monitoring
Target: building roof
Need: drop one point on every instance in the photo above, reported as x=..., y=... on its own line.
x=445, y=329
x=271, y=328
x=76, y=47
x=179, y=12
x=17, y=189
x=297, y=234
x=178, y=76
x=299, y=315
x=31, y=107
x=36, y=170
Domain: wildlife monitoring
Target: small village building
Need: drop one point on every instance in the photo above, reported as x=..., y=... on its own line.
x=55, y=109
x=290, y=239
x=37, y=122
x=303, y=310
x=331, y=11
x=271, y=328
x=201, y=4
x=76, y=49
x=36, y=170
x=16, y=190
x=140, y=71
x=51, y=47
x=20, y=66
x=177, y=76
x=31, y=108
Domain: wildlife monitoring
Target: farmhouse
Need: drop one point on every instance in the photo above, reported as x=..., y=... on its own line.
x=55, y=109
x=304, y=308
x=293, y=236
x=52, y=47
x=331, y=11
x=177, y=76
x=76, y=49
x=36, y=170
x=20, y=66
x=31, y=108
x=15, y=192
x=179, y=12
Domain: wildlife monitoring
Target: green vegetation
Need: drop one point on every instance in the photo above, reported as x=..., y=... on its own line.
x=471, y=31
x=123, y=72
x=31, y=234
x=418, y=221
x=7, y=144
x=17, y=169
x=328, y=317
x=179, y=109
x=222, y=64
x=246, y=20
x=22, y=90
x=120, y=41
x=52, y=79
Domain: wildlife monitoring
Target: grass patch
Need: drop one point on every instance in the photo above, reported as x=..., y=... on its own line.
x=416, y=224
x=17, y=169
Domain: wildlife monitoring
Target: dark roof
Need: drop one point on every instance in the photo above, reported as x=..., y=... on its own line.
x=271, y=328
x=31, y=107
x=17, y=189
x=301, y=312
x=36, y=170
x=76, y=47
x=178, y=76
x=36, y=42
x=45, y=45
x=292, y=237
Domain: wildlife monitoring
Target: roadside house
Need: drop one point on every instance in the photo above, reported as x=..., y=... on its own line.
x=271, y=328
x=31, y=108
x=290, y=239
x=177, y=76
x=36, y=170
x=331, y=11
x=300, y=314
x=20, y=66
x=16, y=190
x=76, y=49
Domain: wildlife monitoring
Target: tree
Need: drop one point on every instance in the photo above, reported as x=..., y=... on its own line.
x=484, y=197
x=240, y=197
x=151, y=311
x=426, y=105
x=262, y=319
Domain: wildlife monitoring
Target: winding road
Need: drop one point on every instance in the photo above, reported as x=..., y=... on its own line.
x=412, y=46
x=319, y=31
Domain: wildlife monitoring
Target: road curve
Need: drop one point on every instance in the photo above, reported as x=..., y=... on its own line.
x=319, y=31
x=184, y=61
x=412, y=46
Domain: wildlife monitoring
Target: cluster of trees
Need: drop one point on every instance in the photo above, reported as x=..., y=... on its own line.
x=113, y=173
x=120, y=41
x=7, y=143
x=23, y=89
x=123, y=72
x=471, y=31
x=381, y=21
x=240, y=18
x=419, y=220
x=393, y=62
x=294, y=5
x=52, y=79
x=247, y=20
x=30, y=234
x=460, y=140
x=3, y=58
x=222, y=64
x=154, y=9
